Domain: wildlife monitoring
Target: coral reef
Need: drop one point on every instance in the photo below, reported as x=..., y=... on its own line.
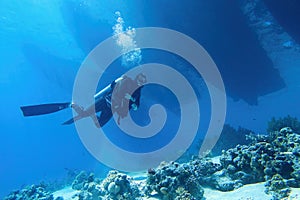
x=88, y=185
x=273, y=159
x=34, y=192
x=119, y=186
x=275, y=153
x=116, y=186
x=288, y=121
x=174, y=181
x=81, y=179
x=277, y=187
x=229, y=138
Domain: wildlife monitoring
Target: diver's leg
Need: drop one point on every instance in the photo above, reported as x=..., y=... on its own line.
x=105, y=116
x=95, y=119
x=77, y=108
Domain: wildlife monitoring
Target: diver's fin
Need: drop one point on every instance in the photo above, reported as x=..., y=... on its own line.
x=70, y=121
x=43, y=108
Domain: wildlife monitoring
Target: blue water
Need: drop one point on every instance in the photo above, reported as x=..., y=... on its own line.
x=42, y=45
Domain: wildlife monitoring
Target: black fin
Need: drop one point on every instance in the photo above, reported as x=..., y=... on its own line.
x=43, y=108
x=70, y=121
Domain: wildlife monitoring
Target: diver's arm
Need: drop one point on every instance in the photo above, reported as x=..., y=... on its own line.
x=129, y=97
x=136, y=96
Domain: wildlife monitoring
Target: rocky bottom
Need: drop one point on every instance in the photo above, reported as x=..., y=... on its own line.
x=272, y=159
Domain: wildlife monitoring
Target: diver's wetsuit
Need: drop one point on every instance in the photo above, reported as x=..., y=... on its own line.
x=104, y=105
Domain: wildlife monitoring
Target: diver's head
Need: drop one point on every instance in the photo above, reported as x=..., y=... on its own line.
x=141, y=79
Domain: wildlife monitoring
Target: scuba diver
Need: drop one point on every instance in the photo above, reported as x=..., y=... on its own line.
x=122, y=95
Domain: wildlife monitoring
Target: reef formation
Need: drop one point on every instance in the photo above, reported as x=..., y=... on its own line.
x=272, y=158
x=33, y=192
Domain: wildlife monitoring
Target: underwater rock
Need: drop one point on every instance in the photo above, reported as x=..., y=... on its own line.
x=274, y=155
x=182, y=194
x=293, y=183
x=113, y=188
x=273, y=158
x=84, y=195
x=119, y=186
x=33, y=192
x=286, y=130
x=204, y=167
x=88, y=185
x=221, y=181
x=175, y=181
x=164, y=190
x=81, y=179
x=296, y=173
x=277, y=187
